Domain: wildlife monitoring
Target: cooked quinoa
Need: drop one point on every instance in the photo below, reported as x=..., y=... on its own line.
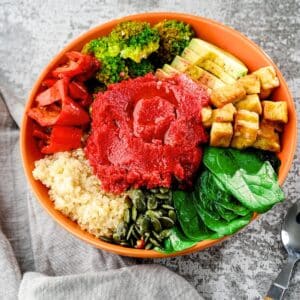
x=76, y=192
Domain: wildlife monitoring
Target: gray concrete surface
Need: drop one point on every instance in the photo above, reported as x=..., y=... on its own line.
x=31, y=32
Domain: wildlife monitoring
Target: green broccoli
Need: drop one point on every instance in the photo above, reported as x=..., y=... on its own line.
x=138, y=39
x=174, y=37
x=103, y=47
x=113, y=69
x=139, y=69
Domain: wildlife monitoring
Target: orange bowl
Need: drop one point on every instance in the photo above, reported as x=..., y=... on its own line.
x=216, y=33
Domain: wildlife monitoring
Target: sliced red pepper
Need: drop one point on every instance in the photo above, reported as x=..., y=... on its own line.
x=40, y=134
x=63, y=138
x=70, y=114
x=78, y=64
x=50, y=95
x=49, y=82
x=79, y=92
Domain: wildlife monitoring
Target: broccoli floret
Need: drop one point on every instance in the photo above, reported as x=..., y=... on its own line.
x=138, y=39
x=103, y=47
x=174, y=37
x=113, y=69
x=139, y=69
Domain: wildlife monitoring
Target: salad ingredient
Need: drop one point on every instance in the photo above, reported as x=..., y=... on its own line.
x=224, y=114
x=245, y=176
x=147, y=220
x=221, y=134
x=267, y=137
x=246, y=127
x=230, y=93
x=267, y=77
x=250, y=83
x=250, y=103
x=139, y=69
x=79, y=92
x=137, y=39
x=275, y=111
x=77, y=193
x=62, y=138
x=229, y=63
x=174, y=37
x=147, y=132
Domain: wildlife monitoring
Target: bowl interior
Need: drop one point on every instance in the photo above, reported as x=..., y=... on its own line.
x=213, y=32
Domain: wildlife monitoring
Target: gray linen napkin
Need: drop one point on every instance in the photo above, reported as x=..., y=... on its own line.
x=62, y=266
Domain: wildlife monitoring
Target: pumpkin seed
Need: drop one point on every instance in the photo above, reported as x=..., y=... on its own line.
x=163, y=190
x=125, y=244
x=162, y=196
x=165, y=233
x=153, y=214
x=157, y=236
x=106, y=239
x=154, y=242
x=172, y=215
x=144, y=223
x=146, y=236
x=138, y=200
x=133, y=213
x=129, y=232
x=156, y=224
x=166, y=222
x=148, y=246
x=127, y=215
x=152, y=202
x=154, y=191
x=135, y=233
x=137, y=230
x=167, y=206
x=116, y=238
x=122, y=230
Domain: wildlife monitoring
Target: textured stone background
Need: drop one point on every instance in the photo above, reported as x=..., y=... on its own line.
x=31, y=32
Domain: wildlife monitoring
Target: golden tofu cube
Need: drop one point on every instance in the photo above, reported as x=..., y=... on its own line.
x=230, y=93
x=220, y=134
x=245, y=129
x=275, y=111
x=224, y=114
x=267, y=137
x=268, y=78
x=251, y=84
x=251, y=103
x=206, y=115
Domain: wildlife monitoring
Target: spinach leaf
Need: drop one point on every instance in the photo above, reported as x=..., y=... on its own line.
x=251, y=181
x=190, y=223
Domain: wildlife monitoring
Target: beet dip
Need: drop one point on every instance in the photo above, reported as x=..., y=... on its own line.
x=147, y=133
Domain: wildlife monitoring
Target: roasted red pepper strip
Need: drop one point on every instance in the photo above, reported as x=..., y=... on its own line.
x=49, y=82
x=50, y=95
x=79, y=92
x=79, y=64
x=40, y=134
x=63, y=138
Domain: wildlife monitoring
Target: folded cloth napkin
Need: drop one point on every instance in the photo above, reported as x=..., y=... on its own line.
x=62, y=267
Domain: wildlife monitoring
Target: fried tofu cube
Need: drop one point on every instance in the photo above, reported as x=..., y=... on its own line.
x=229, y=93
x=245, y=129
x=224, y=114
x=221, y=134
x=267, y=137
x=275, y=111
x=206, y=115
x=268, y=78
x=251, y=103
x=251, y=84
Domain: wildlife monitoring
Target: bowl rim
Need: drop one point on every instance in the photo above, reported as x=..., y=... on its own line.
x=131, y=252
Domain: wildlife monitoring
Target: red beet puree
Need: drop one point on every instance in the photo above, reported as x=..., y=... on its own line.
x=146, y=133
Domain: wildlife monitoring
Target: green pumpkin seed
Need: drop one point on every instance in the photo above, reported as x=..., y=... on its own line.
x=154, y=242
x=153, y=214
x=162, y=196
x=157, y=236
x=172, y=215
x=122, y=230
x=116, y=238
x=166, y=222
x=152, y=202
x=154, y=191
x=135, y=233
x=137, y=230
x=144, y=224
x=156, y=224
x=127, y=215
x=163, y=190
x=165, y=233
x=146, y=236
x=138, y=200
x=167, y=206
x=133, y=213
x=148, y=246
x=125, y=244
x=129, y=233
x=106, y=239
